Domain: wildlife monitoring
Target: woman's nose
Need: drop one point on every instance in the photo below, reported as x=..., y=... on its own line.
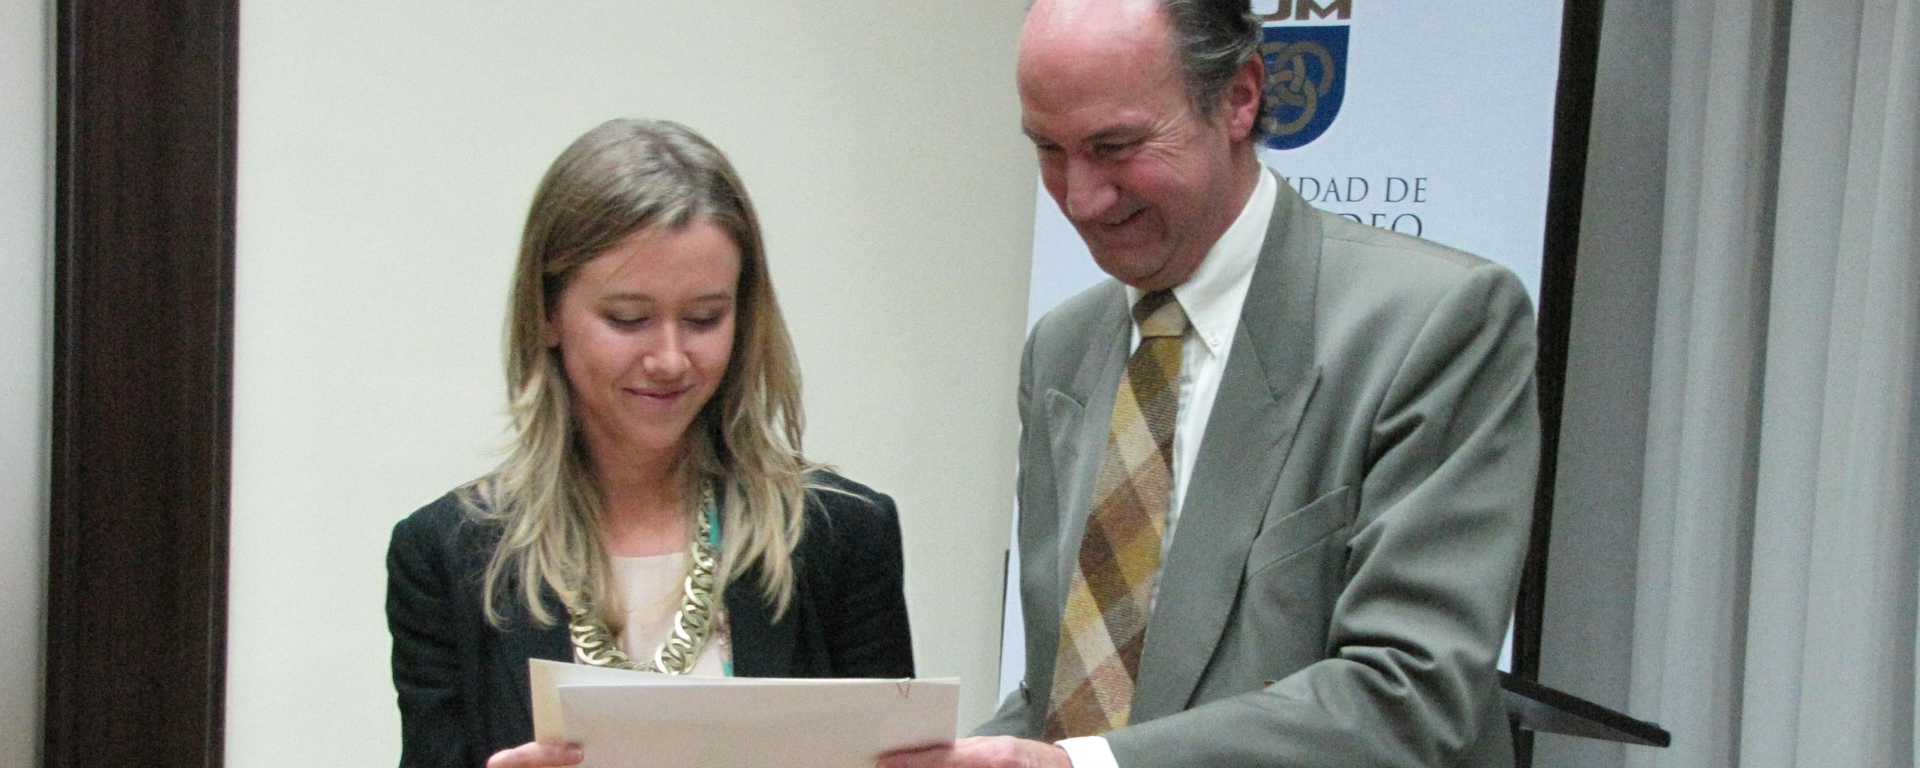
x=667, y=359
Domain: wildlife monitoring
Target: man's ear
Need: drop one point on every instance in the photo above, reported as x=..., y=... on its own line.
x=1241, y=98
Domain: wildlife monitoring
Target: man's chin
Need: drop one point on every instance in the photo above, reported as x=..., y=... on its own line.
x=1147, y=276
x=1129, y=265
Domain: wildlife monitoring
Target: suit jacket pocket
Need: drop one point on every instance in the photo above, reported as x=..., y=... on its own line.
x=1300, y=529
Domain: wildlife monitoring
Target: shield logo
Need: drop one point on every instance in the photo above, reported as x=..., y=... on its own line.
x=1306, y=81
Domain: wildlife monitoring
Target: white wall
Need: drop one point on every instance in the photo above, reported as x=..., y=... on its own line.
x=25, y=99
x=387, y=155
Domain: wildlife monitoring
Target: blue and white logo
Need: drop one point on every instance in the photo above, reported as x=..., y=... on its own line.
x=1306, y=81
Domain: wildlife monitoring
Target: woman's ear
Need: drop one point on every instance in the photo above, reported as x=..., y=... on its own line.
x=549, y=335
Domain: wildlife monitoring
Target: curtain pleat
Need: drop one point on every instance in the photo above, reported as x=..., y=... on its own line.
x=1779, y=574
x=1709, y=324
x=1819, y=101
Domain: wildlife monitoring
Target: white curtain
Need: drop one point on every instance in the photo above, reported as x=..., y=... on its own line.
x=1774, y=622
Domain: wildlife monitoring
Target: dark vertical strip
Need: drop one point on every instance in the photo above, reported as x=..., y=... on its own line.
x=1566, y=187
x=143, y=321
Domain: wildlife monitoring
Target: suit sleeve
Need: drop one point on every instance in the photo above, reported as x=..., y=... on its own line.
x=433, y=717
x=869, y=635
x=1014, y=718
x=1433, y=560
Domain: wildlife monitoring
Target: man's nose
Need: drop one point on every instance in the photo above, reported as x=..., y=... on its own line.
x=1089, y=194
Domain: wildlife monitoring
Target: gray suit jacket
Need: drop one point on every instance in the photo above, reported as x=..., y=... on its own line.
x=1343, y=572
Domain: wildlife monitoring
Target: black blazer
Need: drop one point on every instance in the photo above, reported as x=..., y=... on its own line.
x=463, y=684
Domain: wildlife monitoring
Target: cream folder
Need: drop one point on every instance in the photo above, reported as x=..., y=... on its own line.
x=628, y=719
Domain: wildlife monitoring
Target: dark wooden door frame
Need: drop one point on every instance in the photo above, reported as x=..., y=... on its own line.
x=143, y=329
x=146, y=103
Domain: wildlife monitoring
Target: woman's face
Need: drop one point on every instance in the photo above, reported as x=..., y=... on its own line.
x=644, y=331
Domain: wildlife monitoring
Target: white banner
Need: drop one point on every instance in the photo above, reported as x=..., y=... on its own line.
x=1432, y=119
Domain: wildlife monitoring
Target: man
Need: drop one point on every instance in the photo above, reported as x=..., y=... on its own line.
x=1275, y=476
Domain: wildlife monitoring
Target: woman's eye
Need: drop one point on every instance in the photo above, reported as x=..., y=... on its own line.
x=627, y=322
x=704, y=322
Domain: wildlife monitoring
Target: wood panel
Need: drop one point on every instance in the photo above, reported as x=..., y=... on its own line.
x=143, y=308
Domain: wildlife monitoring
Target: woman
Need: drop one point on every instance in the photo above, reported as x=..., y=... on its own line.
x=655, y=487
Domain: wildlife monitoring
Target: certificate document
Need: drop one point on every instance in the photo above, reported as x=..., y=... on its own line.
x=630, y=719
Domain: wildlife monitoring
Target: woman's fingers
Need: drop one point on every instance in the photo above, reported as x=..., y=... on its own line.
x=536, y=755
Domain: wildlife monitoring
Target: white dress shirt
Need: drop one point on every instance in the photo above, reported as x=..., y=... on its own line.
x=1212, y=299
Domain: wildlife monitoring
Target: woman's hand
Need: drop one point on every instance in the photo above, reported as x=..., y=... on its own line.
x=534, y=754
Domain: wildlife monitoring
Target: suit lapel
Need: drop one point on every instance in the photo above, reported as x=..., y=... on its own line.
x=1263, y=393
x=1079, y=438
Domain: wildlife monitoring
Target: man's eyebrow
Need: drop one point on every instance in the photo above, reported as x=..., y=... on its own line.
x=1119, y=133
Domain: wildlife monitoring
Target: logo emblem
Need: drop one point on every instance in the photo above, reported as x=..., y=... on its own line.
x=1306, y=81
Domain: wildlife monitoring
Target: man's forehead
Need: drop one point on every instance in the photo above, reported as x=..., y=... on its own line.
x=1058, y=55
x=1096, y=16
x=1095, y=88
x=1084, y=30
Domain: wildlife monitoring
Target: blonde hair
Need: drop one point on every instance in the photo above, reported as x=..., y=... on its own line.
x=618, y=179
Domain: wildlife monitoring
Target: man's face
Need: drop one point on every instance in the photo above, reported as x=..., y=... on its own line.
x=1148, y=182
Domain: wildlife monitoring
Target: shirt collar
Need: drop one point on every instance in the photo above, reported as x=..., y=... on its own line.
x=1213, y=295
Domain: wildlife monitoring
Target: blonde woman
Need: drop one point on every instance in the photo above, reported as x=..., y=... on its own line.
x=654, y=510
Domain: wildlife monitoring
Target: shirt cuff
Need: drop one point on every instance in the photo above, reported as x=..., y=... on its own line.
x=1089, y=752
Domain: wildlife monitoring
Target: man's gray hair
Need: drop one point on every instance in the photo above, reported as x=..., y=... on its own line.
x=1213, y=38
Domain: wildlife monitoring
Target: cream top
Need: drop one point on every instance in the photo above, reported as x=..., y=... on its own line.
x=651, y=589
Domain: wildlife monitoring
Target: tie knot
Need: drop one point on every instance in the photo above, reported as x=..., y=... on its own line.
x=1159, y=314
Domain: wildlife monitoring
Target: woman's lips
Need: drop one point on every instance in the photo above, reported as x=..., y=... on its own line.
x=659, y=395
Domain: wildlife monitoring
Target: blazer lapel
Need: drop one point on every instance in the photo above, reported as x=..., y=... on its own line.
x=516, y=647
x=761, y=648
x=1263, y=393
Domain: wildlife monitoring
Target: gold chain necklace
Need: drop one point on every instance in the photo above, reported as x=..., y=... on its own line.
x=692, y=624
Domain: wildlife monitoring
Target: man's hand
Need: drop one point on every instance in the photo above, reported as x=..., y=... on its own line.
x=981, y=752
x=536, y=755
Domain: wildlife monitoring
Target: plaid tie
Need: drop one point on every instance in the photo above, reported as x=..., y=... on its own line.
x=1105, y=624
